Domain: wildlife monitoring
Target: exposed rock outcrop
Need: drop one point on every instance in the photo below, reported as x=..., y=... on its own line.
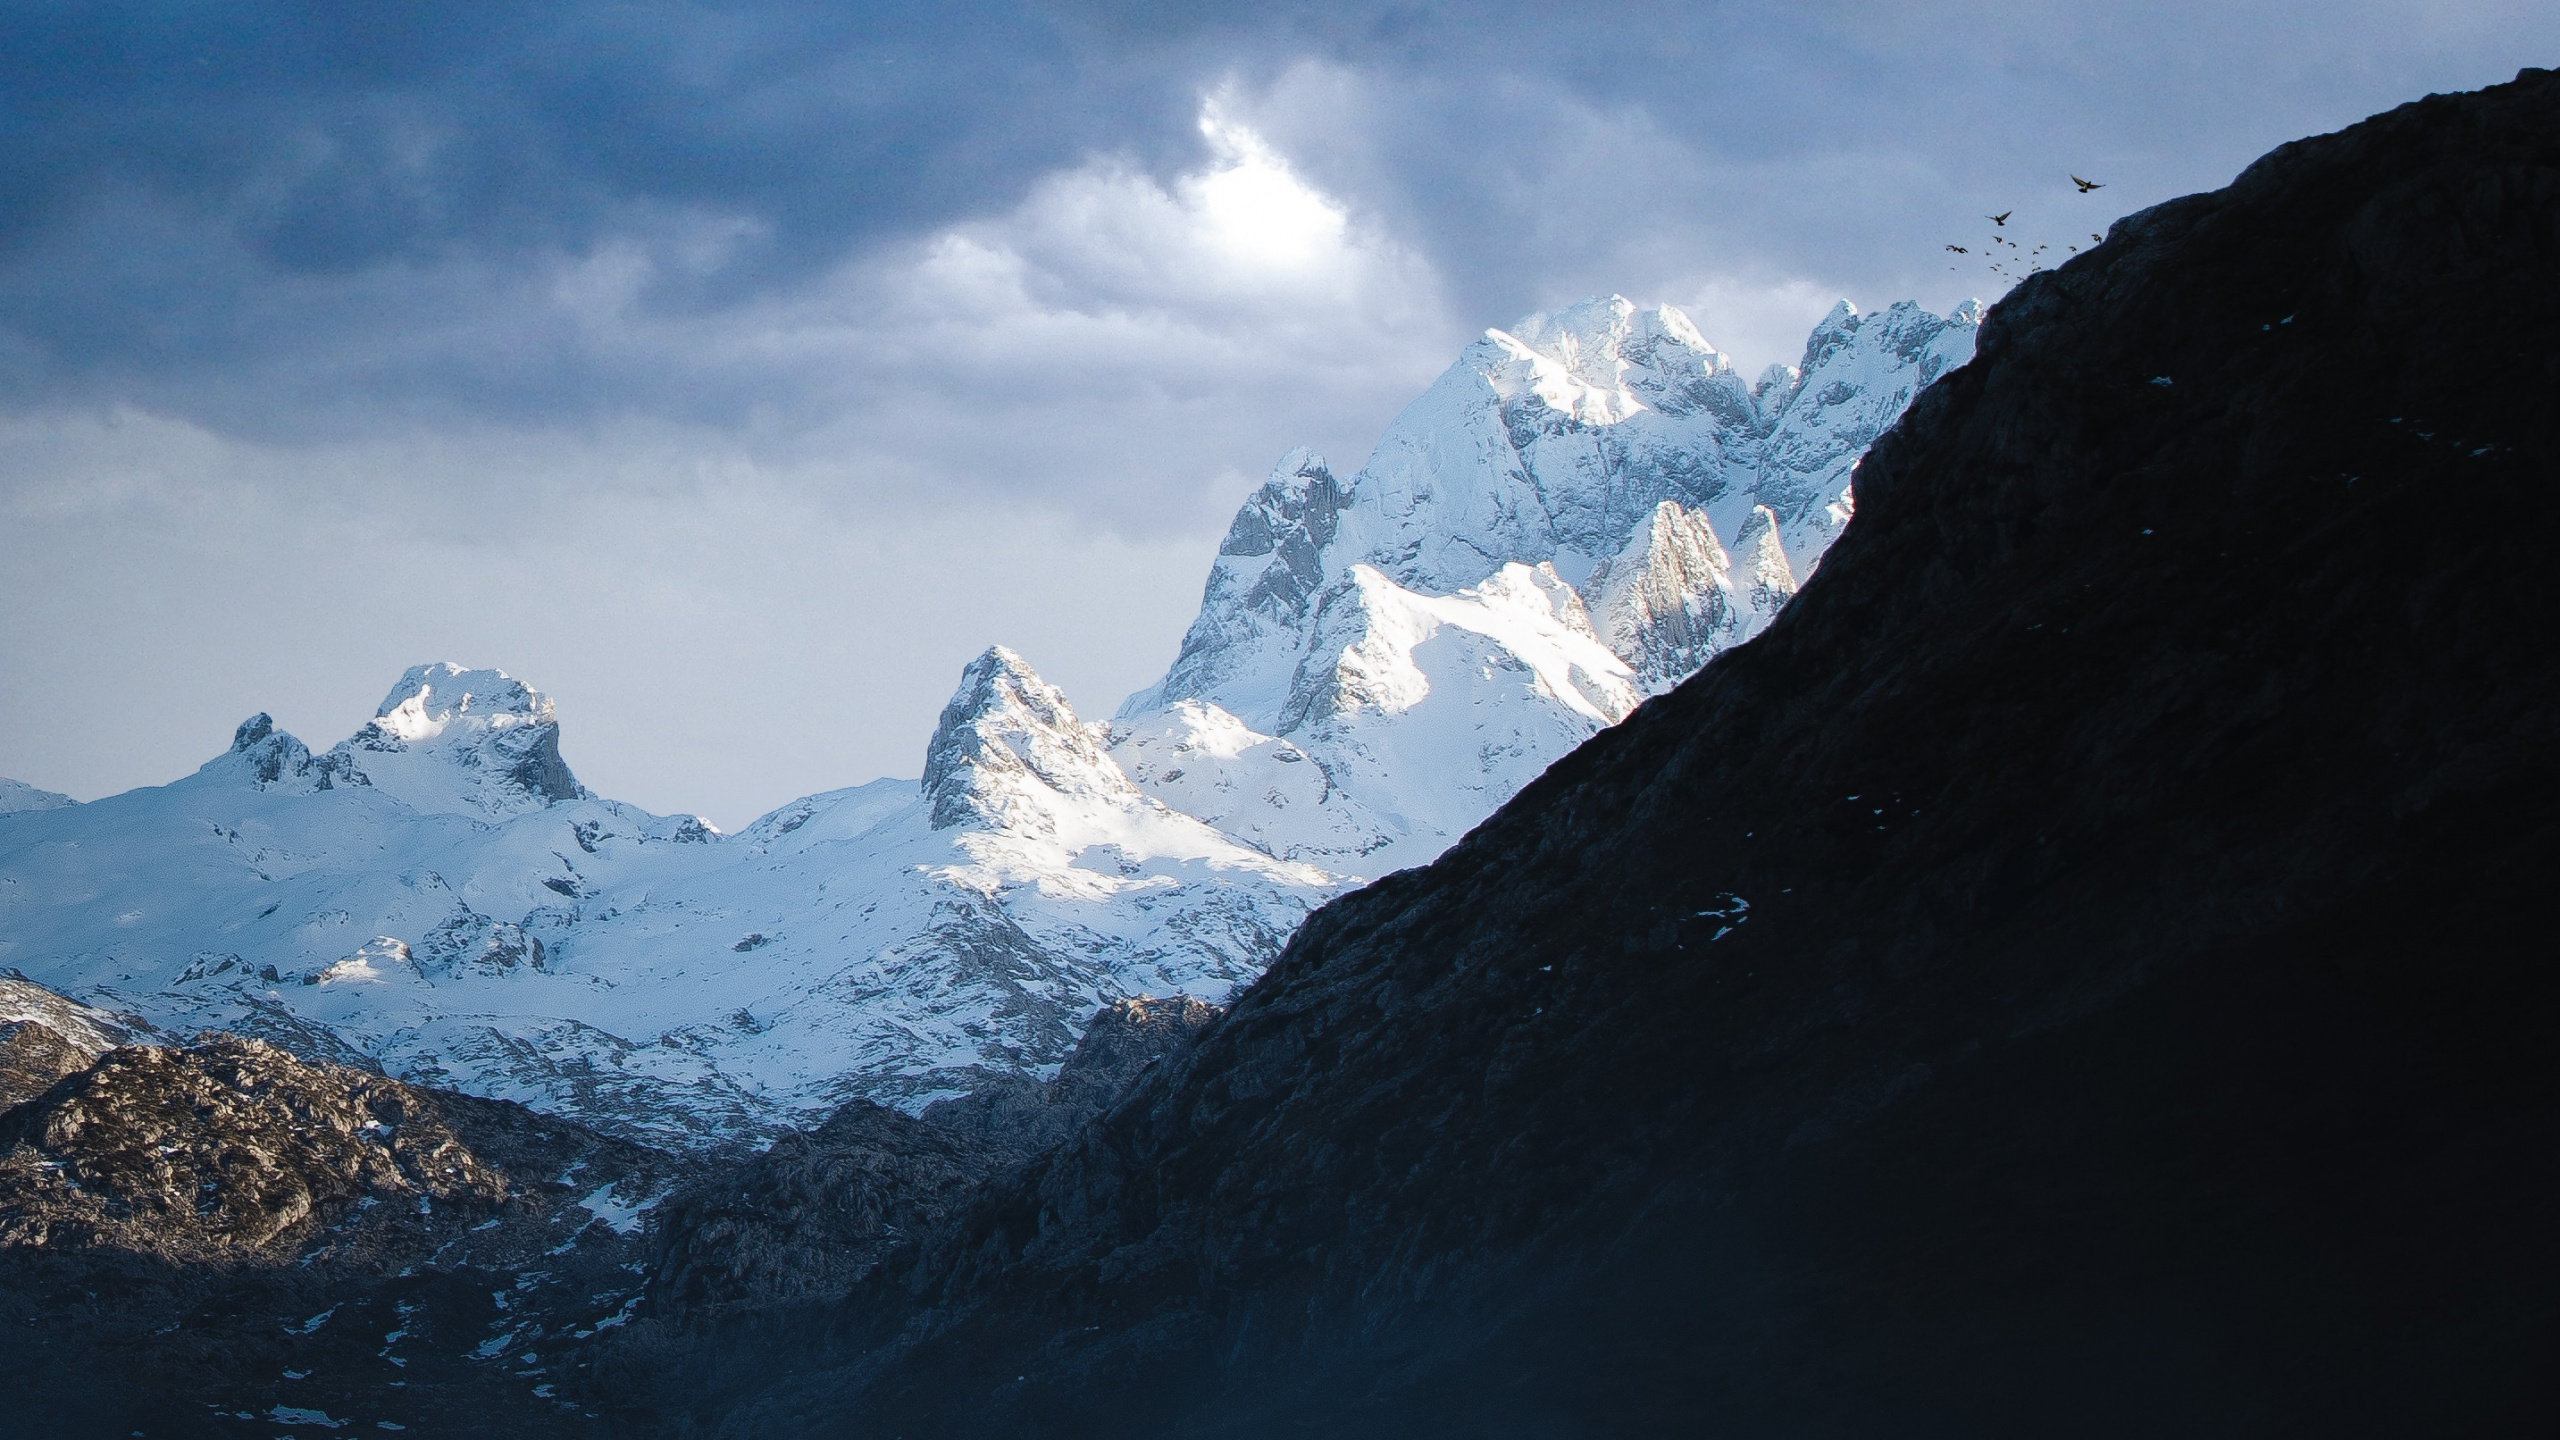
x=32, y=1057
x=222, y=1149
x=1015, y=1119
x=223, y=1226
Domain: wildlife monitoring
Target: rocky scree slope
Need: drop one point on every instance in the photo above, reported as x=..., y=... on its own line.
x=2079, y=971
x=218, y=1238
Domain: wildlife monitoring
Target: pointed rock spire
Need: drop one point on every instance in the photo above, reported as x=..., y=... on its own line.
x=1007, y=737
x=1762, y=580
x=266, y=758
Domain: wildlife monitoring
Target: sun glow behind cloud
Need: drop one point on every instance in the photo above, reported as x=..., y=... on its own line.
x=1253, y=204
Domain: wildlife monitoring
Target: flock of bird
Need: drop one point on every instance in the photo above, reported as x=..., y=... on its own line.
x=2014, y=263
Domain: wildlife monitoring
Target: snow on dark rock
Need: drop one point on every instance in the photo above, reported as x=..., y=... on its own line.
x=451, y=739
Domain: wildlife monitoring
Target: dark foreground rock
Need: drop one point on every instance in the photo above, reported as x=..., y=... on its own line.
x=221, y=1239
x=2082, y=972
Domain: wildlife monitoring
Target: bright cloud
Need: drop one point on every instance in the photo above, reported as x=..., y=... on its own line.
x=1253, y=206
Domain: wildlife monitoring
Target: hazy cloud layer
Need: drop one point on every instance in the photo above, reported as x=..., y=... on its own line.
x=737, y=372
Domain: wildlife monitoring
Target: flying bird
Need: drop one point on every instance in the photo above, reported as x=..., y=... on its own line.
x=2000, y=219
x=1959, y=249
x=2086, y=185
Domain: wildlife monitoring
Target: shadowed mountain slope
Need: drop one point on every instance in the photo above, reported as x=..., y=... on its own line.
x=218, y=1238
x=2081, y=971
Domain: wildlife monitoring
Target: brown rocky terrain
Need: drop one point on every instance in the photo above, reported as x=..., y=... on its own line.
x=33, y=1055
x=203, y=1238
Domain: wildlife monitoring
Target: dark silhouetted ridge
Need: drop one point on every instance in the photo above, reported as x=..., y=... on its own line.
x=2083, y=971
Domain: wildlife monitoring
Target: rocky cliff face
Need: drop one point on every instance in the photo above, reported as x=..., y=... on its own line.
x=2078, y=971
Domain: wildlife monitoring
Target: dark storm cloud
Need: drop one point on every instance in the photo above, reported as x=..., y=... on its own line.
x=256, y=215
x=184, y=184
x=329, y=137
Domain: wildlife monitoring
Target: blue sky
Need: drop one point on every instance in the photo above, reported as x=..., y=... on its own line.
x=736, y=372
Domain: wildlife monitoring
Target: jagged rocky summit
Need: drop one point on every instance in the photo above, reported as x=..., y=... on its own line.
x=2082, y=970
x=446, y=740
x=1581, y=512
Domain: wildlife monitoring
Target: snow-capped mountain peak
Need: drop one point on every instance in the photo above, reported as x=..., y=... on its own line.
x=1008, y=738
x=1534, y=544
x=430, y=699
x=1580, y=512
x=454, y=740
x=1605, y=360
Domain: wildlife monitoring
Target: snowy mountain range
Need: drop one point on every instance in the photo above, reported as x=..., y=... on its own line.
x=1536, y=544
x=440, y=897
x=1578, y=514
